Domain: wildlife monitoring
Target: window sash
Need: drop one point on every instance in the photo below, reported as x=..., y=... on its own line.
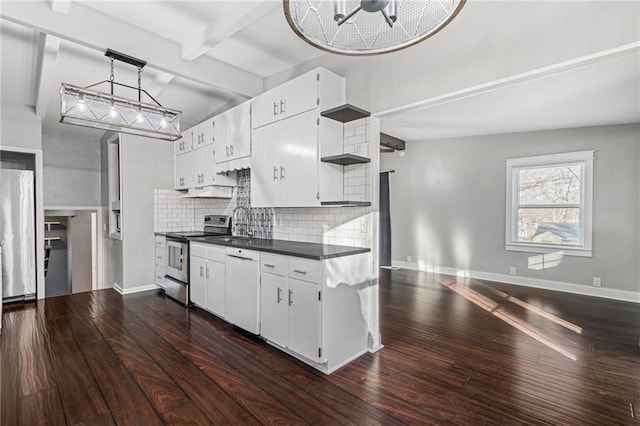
x=582, y=158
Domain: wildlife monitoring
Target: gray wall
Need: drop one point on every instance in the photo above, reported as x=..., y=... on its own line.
x=448, y=203
x=71, y=169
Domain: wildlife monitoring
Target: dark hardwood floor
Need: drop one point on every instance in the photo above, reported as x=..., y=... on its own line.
x=456, y=352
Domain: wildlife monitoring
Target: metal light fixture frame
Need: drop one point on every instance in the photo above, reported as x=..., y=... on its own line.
x=340, y=16
x=86, y=107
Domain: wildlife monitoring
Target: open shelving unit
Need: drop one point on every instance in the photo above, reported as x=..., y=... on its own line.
x=344, y=114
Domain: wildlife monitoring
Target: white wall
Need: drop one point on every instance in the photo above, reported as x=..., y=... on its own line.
x=71, y=169
x=488, y=40
x=448, y=204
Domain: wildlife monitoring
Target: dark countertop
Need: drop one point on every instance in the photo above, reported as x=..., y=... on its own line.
x=291, y=248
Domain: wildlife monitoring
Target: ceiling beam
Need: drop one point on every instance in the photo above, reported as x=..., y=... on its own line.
x=48, y=48
x=391, y=142
x=60, y=6
x=95, y=30
x=205, y=39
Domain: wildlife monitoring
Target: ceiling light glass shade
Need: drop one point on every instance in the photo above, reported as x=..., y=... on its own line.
x=400, y=23
x=89, y=108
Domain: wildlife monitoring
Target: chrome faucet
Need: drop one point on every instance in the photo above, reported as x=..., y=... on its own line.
x=247, y=223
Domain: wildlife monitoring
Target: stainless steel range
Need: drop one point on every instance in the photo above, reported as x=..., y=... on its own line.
x=177, y=273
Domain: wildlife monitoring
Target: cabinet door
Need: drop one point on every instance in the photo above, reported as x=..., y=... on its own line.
x=240, y=130
x=273, y=308
x=183, y=144
x=197, y=281
x=299, y=161
x=265, y=167
x=289, y=99
x=203, y=166
x=304, y=321
x=215, y=274
x=202, y=134
x=183, y=170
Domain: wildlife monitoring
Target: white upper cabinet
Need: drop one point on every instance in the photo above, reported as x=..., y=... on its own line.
x=183, y=144
x=232, y=135
x=202, y=134
x=316, y=89
x=204, y=169
x=289, y=138
x=183, y=169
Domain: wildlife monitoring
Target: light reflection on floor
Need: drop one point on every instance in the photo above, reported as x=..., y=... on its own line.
x=500, y=312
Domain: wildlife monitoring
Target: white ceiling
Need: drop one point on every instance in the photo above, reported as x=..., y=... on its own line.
x=205, y=56
x=602, y=93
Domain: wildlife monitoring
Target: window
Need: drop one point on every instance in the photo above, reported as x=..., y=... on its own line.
x=549, y=203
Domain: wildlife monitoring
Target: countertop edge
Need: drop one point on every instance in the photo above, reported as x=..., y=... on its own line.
x=348, y=252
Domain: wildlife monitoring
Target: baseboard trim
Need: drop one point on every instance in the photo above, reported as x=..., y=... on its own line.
x=606, y=293
x=138, y=289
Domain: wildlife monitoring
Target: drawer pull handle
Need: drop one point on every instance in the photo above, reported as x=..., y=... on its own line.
x=297, y=271
x=269, y=266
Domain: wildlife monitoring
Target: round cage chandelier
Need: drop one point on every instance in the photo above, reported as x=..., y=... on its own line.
x=368, y=27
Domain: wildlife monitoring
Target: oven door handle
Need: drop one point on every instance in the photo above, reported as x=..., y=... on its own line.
x=176, y=281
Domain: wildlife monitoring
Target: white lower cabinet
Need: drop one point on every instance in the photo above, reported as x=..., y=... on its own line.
x=310, y=309
x=304, y=317
x=274, y=308
x=161, y=261
x=198, y=281
x=290, y=307
x=207, y=277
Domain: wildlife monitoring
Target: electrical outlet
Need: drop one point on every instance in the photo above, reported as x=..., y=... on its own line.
x=409, y=259
x=365, y=225
x=597, y=281
x=512, y=270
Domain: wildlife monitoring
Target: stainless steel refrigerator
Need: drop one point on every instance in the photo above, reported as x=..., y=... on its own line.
x=17, y=234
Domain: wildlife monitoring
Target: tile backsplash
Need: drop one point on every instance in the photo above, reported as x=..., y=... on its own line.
x=174, y=213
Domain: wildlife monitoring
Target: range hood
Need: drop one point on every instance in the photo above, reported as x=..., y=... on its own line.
x=210, y=192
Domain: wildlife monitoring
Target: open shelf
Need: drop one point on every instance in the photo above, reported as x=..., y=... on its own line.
x=345, y=113
x=346, y=203
x=345, y=159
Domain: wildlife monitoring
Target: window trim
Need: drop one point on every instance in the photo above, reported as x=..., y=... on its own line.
x=586, y=207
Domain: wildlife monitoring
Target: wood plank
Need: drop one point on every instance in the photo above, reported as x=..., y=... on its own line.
x=41, y=408
x=79, y=392
x=187, y=414
x=124, y=398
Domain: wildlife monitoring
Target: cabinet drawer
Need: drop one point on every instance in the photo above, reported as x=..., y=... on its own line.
x=304, y=269
x=161, y=241
x=197, y=249
x=216, y=253
x=159, y=277
x=273, y=264
x=160, y=256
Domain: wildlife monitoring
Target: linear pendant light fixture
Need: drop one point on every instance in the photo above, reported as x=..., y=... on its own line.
x=83, y=106
x=368, y=27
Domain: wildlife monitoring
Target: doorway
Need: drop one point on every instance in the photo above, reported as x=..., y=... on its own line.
x=385, y=220
x=70, y=251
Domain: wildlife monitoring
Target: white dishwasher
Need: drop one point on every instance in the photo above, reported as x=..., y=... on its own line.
x=242, y=289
